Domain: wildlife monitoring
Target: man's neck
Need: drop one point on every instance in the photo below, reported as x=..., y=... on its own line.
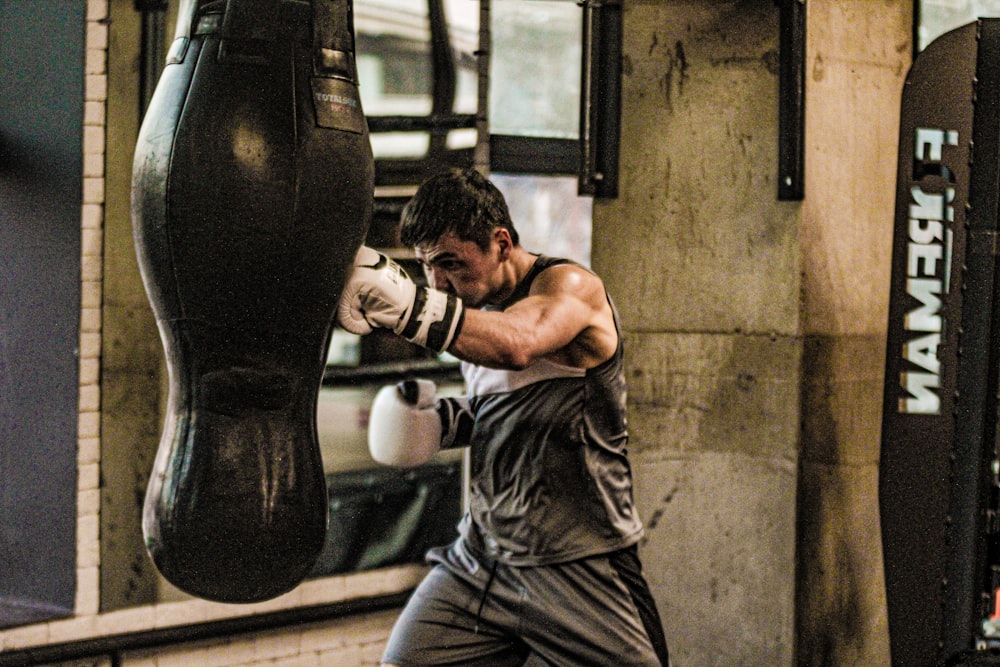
x=518, y=265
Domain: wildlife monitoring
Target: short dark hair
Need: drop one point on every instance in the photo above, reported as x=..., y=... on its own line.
x=461, y=201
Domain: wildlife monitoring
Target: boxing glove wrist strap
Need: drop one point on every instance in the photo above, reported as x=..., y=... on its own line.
x=434, y=319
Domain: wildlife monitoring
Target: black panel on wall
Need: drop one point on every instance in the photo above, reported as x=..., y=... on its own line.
x=41, y=125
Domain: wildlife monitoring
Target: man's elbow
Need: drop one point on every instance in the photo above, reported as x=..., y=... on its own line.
x=514, y=358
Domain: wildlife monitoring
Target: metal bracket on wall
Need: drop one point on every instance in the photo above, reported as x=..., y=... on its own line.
x=791, y=100
x=600, y=103
x=601, y=93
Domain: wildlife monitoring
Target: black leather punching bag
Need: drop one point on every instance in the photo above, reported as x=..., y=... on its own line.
x=251, y=192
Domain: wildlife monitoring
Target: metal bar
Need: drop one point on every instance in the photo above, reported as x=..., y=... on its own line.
x=586, y=168
x=434, y=122
x=443, y=67
x=391, y=371
x=792, y=100
x=481, y=154
x=600, y=98
x=534, y=155
x=152, y=54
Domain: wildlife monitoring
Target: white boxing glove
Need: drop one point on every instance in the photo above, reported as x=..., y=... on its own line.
x=404, y=428
x=379, y=293
x=409, y=425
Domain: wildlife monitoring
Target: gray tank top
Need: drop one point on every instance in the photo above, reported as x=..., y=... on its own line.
x=550, y=480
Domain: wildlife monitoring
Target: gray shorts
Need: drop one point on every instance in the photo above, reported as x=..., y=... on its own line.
x=594, y=611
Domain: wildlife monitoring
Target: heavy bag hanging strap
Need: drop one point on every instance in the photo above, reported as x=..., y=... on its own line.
x=334, y=83
x=333, y=39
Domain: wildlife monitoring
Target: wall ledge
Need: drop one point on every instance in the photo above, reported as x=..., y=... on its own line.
x=172, y=623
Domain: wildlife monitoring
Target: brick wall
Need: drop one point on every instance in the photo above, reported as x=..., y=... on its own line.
x=92, y=218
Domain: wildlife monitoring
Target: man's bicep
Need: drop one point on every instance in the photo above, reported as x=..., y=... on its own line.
x=582, y=307
x=555, y=319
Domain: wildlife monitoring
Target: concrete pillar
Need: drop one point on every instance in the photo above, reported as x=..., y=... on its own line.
x=704, y=262
x=755, y=328
x=858, y=55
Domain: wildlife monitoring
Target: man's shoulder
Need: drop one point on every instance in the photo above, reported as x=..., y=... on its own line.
x=563, y=273
x=547, y=261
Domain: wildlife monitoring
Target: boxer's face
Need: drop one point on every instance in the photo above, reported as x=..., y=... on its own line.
x=464, y=269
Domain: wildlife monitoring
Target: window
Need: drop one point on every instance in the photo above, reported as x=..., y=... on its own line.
x=534, y=122
x=536, y=96
x=549, y=214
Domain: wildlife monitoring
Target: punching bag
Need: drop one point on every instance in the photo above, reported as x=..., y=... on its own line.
x=252, y=189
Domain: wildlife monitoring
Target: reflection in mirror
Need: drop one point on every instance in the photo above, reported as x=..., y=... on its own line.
x=421, y=106
x=406, y=73
x=397, y=49
x=534, y=117
x=380, y=515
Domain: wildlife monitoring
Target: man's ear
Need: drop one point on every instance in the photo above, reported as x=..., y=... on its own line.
x=504, y=242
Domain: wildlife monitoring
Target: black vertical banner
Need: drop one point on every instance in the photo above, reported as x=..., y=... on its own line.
x=918, y=419
x=939, y=407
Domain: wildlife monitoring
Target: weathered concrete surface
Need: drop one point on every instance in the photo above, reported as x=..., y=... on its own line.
x=858, y=54
x=703, y=262
x=719, y=545
x=708, y=248
x=755, y=328
x=694, y=393
x=132, y=357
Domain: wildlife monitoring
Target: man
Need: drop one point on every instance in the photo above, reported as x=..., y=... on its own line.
x=545, y=570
